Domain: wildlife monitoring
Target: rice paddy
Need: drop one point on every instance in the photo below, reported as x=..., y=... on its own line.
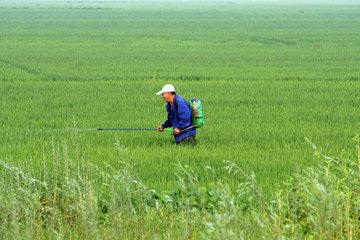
x=268, y=77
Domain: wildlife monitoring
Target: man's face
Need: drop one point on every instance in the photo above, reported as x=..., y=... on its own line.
x=166, y=96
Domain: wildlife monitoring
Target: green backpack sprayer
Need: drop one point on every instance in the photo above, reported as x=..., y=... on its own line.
x=196, y=112
x=197, y=117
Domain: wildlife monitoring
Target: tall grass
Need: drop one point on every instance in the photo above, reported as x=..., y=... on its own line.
x=259, y=125
x=265, y=83
x=70, y=197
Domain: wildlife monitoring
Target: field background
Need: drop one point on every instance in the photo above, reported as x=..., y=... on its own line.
x=267, y=76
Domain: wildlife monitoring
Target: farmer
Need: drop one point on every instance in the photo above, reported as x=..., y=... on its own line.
x=179, y=116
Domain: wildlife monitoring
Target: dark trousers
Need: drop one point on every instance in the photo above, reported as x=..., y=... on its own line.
x=190, y=140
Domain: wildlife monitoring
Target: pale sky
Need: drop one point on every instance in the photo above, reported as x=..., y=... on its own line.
x=283, y=2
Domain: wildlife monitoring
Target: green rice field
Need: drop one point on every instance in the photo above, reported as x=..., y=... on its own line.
x=268, y=76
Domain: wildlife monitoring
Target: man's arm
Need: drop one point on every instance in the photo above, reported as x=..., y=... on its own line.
x=166, y=124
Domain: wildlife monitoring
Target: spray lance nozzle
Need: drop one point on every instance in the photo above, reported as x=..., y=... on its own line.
x=139, y=129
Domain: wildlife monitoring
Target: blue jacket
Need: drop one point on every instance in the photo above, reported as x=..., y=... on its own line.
x=179, y=117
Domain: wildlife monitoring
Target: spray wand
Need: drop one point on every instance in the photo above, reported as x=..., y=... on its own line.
x=139, y=129
x=142, y=129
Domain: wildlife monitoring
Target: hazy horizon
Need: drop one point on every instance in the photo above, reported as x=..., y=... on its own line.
x=248, y=2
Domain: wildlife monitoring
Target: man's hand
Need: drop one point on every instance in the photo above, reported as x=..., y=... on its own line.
x=160, y=128
x=176, y=131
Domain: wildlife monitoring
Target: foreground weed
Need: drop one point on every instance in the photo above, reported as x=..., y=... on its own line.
x=75, y=198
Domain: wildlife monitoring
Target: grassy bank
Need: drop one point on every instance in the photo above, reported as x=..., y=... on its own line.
x=70, y=197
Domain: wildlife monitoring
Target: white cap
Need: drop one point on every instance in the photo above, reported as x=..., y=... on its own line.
x=166, y=88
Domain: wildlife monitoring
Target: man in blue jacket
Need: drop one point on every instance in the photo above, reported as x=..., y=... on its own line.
x=179, y=116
